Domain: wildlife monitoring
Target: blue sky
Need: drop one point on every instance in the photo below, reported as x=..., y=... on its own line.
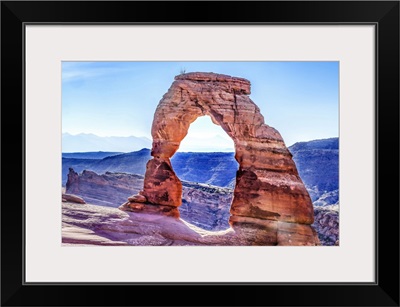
x=300, y=99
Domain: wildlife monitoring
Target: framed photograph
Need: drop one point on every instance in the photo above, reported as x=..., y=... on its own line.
x=247, y=150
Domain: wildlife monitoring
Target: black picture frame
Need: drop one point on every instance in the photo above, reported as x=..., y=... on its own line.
x=383, y=14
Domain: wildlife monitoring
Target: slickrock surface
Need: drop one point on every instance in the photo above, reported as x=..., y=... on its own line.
x=99, y=225
x=268, y=187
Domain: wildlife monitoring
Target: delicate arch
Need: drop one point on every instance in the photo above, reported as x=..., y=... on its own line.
x=268, y=186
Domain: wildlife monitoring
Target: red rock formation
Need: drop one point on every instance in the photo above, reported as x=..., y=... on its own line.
x=137, y=199
x=161, y=185
x=268, y=186
x=137, y=207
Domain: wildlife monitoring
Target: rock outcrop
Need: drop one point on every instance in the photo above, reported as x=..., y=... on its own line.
x=269, y=194
x=72, y=198
x=72, y=185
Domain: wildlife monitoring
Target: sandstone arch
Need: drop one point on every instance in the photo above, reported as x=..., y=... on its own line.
x=268, y=188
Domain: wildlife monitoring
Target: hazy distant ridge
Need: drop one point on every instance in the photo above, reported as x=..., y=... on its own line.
x=87, y=142
x=90, y=155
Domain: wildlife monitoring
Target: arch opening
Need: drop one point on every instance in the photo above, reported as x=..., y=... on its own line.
x=205, y=136
x=205, y=163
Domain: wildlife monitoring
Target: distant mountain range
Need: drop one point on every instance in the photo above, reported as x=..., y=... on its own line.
x=317, y=162
x=87, y=142
x=216, y=143
x=90, y=155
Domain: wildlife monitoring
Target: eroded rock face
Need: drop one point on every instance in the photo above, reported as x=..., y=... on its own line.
x=161, y=185
x=268, y=186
